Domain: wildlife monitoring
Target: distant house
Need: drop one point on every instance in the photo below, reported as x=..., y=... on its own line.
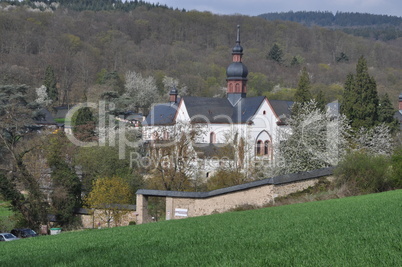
x=132, y=118
x=45, y=119
x=258, y=121
x=61, y=112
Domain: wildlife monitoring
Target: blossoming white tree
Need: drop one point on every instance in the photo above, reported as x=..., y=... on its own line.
x=141, y=92
x=315, y=139
x=42, y=96
x=376, y=140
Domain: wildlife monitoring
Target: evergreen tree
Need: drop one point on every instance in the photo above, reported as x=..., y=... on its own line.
x=321, y=101
x=276, y=54
x=302, y=94
x=348, y=99
x=386, y=112
x=342, y=57
x=360, y=101
x=84, y=125
x=50, y=84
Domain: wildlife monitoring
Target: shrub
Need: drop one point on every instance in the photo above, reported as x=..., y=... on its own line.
x=225, y=178
x=396, y=177
x=364, y=173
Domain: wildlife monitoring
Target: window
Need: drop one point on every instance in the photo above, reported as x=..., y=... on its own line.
x=259, y=148
x=266, y=147
x=212, y=138
x=264, y=112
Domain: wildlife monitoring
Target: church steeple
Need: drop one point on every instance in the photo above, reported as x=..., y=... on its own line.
x=236, y=74
x=237, y=51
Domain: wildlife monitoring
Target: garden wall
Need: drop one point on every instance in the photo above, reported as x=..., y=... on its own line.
x=96, y=218
x=258, y=193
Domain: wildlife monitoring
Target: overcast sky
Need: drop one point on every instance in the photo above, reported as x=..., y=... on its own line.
x=257, y=7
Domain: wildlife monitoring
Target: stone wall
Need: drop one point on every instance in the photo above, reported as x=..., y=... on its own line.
x=97, y=220
x=221, y=203
x=259, y=193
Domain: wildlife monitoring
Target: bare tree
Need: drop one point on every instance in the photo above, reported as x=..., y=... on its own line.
x=172, y=157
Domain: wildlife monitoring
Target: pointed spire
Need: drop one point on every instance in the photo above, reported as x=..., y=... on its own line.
x=236, y=74
x=238, y=35
x=237, y=50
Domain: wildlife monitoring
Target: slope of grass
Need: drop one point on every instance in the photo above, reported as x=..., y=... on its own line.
x=354, y=231
x=4, y=209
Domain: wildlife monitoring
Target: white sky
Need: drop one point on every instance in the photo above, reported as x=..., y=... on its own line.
x=257, y=7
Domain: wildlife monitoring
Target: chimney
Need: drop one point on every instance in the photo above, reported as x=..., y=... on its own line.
x=173, y=95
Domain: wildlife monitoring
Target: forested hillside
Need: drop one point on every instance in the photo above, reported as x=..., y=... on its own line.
x=377, y=27
x=91, y=51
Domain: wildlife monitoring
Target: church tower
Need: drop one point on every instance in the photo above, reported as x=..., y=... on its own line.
x=236, y=74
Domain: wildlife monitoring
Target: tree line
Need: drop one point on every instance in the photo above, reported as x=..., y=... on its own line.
x=339, y=19
x=377, y=27
x=192, y=47
x=81, y=5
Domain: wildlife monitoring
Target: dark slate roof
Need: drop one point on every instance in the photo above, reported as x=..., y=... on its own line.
x=207, y=109
x=278, y=180
x=282, y=108
x=219, y=110
x=246, y=108
x=45, y=118
x=162, y=114
x=214, y=110
x=236, y=71
x=61, y=112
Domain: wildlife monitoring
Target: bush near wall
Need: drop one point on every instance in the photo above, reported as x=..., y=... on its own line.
x=363, y=173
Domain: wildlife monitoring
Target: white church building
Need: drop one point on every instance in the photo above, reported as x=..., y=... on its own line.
x=258, y=121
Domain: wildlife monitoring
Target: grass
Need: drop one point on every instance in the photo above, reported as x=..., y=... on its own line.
x=355, y=231
x=4, y=209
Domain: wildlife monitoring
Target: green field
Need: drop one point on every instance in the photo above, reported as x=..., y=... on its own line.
x=354, y=231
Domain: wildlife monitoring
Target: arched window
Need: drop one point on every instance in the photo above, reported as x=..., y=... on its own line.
x=237, y=88
x=264, y=112
x=260, y=149
x=212, y=138
x=266, y=147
